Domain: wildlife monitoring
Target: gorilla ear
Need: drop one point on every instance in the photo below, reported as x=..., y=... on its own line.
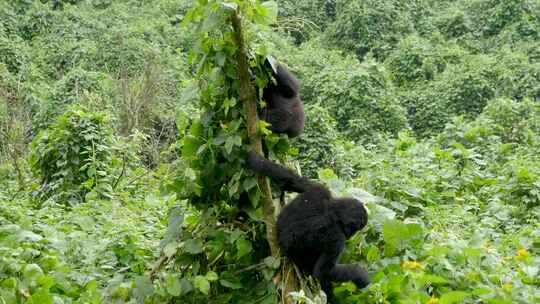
x=273, y=63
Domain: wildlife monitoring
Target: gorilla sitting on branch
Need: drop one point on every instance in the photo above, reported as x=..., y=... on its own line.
x=313, y=228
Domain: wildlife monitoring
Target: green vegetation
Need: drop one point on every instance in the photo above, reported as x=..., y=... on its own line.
x=122, y=137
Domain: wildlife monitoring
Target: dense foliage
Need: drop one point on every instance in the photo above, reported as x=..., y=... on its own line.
x=122, y=140
x=73, y=156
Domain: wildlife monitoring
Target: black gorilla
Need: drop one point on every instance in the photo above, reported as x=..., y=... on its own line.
x=285, y=111
x=313, y=228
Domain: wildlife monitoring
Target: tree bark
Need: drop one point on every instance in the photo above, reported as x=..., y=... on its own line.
x=249, y=99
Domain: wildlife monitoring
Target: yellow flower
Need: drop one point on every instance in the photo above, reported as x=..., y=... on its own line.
x=507, y=287
x=522, y=254
x=412, y=265
x=433, y=300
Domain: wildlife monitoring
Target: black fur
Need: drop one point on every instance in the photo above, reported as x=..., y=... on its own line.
x=313, y=228
x=285, y=111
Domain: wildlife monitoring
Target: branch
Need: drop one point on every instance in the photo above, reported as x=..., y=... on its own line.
x=122, y=172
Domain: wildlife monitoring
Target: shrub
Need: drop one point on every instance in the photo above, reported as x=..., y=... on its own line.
x=493, y=16
x=418, y=59
x=77, y=82
x=317, y=144
x=513, y=121
x=466, y=88
x=36, y=21
x=462, y=89
x=13, y=53
x=518, y=77
x=78, y=86
x=299, y=18
x=360, y=98
x=454, y=22
x=369, y=26
x=73, y=156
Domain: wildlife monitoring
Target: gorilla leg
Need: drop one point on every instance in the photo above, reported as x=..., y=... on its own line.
x=349, y=272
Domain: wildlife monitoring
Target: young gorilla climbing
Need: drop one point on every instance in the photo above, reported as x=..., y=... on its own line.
x=285, y=111
x=313, y=228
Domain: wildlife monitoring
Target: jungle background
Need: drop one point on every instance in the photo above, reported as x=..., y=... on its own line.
x=426, y=110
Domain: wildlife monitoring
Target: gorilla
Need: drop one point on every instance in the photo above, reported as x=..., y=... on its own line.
x=313, y=228
x=285, y=111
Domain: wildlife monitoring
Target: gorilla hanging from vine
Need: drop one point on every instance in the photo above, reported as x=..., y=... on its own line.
x=284, y=110
x=313, y=228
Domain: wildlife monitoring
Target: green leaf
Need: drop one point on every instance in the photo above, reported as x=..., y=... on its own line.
x=243, y=247
x=272, y=262
x=190, y=145
x=432, y=279
x=9, y=283
x=229, y=284
x=182, y=121
x=170, y=249
x=32, y=271
x=193, y=246
x=143, y=287
x=185, y=285
x=472, y=252
x=231, y=6
x=46, y=281
x=249, y=183
x=393, y=232
x=173, y=285
x=190, y=174
x=211, y=276
x=196, y=129
x=91, y=171
x=202, y=284
x=86, y=223
x=453, y=297
x=42, y=296
x=267, y=12
x=29, y=236
x=232, y=141
x=362, y=195
x=229, y=144
x=373, y=254
x=326, y=174
x=438, y=251
x=220, y=60
x=481, y=291
x=233, y=188
x=398, y=235
x=254, y=197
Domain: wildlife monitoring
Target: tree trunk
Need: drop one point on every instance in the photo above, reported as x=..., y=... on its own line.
x=249, y=98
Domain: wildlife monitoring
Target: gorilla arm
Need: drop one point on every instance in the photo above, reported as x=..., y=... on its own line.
x=287, y=179
x=327, y=261
x=326, y=269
